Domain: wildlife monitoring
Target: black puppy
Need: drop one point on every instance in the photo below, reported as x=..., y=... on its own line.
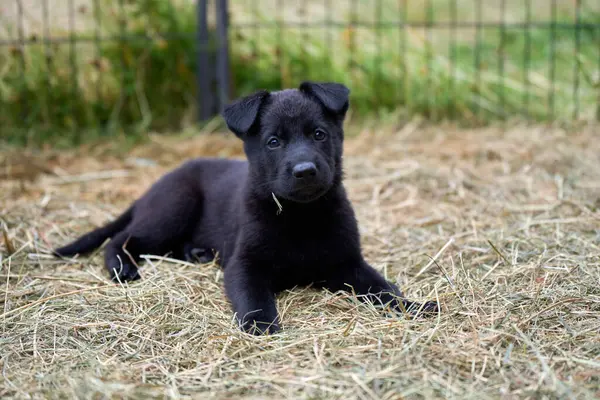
x=280, y=220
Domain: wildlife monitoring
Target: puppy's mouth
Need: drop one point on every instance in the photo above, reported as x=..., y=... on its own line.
x=306, y=194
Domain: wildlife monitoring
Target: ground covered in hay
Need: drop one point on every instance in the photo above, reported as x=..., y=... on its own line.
x=502, y=227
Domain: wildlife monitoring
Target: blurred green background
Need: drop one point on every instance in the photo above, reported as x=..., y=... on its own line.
x=90, y=72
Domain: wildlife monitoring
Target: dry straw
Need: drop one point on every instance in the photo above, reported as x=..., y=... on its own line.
x=501, y=227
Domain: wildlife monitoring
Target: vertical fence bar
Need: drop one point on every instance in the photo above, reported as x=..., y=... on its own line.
x=501, y=56
x=552, y=61
x=47, y=59
x=204, y=73
x=352, y=35
x=74, y=73
x=378, y=26
x=223, y=53
x=401, y=55
x=124, y=72
x=429, y=48
x=98, y=64
x=20, y=53
x=404, y=50
x=453, y=40
x=477, y=66
x=173, y=28
x=305, y=36
x=526, y=58
x=597, y=82
x=256, y=28
x=328, y=22
x=576, y=59
x=279, y=49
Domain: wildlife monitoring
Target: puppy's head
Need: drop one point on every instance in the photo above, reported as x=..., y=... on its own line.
x=293, y=138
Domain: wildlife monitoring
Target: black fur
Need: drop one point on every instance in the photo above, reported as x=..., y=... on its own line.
x=280, y=220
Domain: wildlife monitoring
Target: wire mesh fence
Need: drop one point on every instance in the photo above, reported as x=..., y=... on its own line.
x=84, y=68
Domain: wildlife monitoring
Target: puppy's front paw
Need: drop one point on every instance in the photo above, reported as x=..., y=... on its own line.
x=123, y=271
x=427, y=309
x=259, y=325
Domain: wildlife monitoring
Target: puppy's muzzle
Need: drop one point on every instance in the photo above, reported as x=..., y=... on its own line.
x=305, y=171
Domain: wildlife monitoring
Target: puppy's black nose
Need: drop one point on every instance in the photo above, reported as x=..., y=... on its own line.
x=304, y=170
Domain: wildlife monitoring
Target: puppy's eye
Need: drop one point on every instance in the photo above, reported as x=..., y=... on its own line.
x=273, y=143
x=319, y=135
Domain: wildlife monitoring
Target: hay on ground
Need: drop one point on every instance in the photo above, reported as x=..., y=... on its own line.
x=501, y=227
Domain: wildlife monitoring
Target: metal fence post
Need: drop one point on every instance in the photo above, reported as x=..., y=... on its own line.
x=204, y=70
x=222, y=53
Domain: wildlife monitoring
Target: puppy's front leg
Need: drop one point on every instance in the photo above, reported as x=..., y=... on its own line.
x=369, y=285
x=252, y=299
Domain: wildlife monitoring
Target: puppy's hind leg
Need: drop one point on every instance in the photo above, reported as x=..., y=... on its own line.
x=121, y=257
x=152, y=233
x=197, y=255
x=123, y=252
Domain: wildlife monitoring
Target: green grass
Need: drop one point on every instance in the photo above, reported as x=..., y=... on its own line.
x=126, y=88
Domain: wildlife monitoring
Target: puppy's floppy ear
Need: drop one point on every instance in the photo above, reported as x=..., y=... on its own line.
x=241, y=114
x=334, y=96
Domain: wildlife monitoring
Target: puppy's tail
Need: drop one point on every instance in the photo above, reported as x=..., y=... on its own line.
x=94, y=239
